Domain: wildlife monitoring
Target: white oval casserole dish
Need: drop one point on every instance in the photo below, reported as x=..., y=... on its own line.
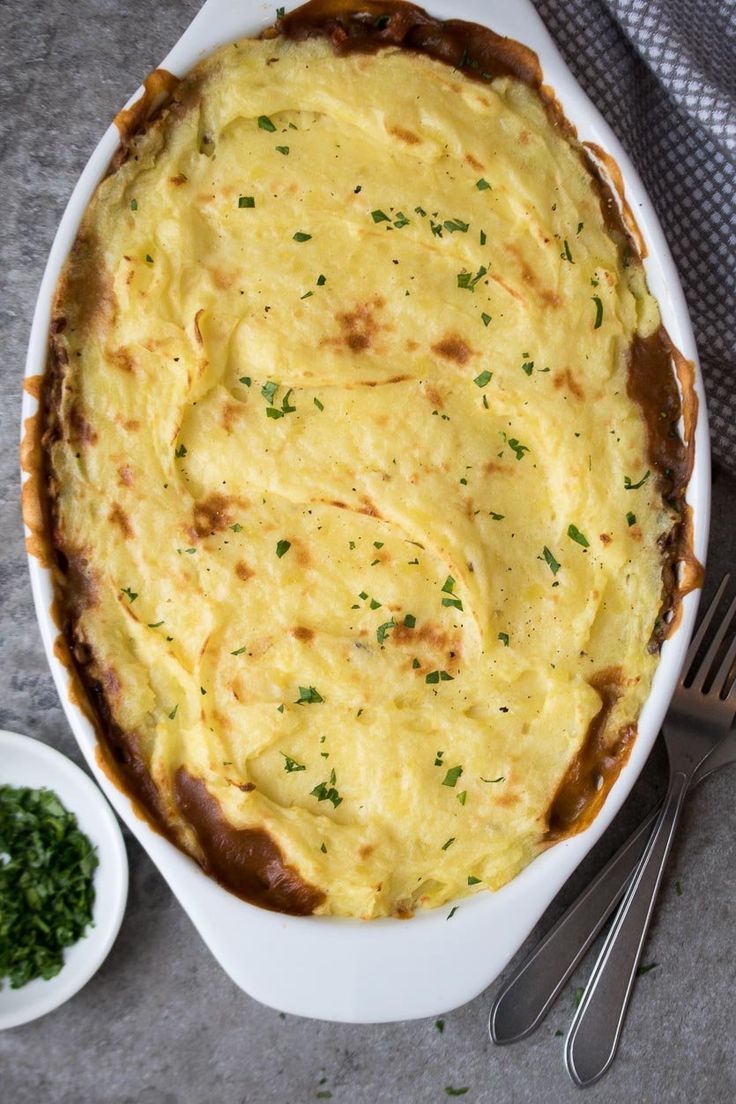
x=384, y=969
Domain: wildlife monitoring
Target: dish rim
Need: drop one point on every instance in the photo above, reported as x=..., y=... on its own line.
x=79, y=794
x=386, y=967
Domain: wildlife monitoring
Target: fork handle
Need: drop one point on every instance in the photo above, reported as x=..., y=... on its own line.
x=533, y=988
x=596, y=1027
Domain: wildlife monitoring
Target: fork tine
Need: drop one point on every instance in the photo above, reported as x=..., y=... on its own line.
x=706, y=619
x=710, y=656
x=721, y=680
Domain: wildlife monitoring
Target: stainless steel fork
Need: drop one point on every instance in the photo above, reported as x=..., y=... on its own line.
x=702, y=712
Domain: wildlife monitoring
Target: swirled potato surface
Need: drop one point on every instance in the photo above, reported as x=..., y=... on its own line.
x=352, y=493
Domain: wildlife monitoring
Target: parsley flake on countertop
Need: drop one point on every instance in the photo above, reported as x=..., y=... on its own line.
x=46, y=883
x=449, y=1089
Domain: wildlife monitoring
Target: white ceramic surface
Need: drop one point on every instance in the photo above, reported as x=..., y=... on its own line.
x=27, y=762
x=386, y=970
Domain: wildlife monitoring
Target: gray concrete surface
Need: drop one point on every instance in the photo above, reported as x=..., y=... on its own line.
x=160, y=1023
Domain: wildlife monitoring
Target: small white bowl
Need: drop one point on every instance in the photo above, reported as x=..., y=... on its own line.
x=27, y=762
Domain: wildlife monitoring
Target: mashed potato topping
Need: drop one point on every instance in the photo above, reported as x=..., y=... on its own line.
x=360, y=535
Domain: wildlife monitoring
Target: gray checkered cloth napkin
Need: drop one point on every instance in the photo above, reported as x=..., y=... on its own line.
x=663, y=73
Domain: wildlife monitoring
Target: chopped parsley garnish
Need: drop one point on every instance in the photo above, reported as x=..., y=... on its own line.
x=134, y=204
x=483, y=238
x=318, y=404
x=237, y=527
x=462, y=797
x=566, y=255
x=308, y=696
x=282, y=547
x=239, y=651
x=307, y=295
x=321, y=281
x=450, y=915
x=467, y=280
x=456, y=602
x=155, y=624
x=496, y=517
x=283, y=149
x=484, y=378
x=439, y=1025
x=409, y=621
x=516, y=446
x=380, y=216
x=438, y=676
x=448, y=843
x=598, y=312
x=378, y=544
x=472, y=880
x=326, y=791
x=401, y=220
x=415, y=664
x=300, y=236
x=635, y=486
x=323, y=848
x=246, y=201
x=631, y=519
x=449, y=585
x=482, y=185
x=452, y=776
x=438, y=759
x=180, y=452
x=574, y=534
x=269, y=390
x=383, y=630
x=504, y=638
x=456, y=225
x=550, y=560
x=46, y=883
x=492, y=780
x=265, y=124
x=129, y=594
x=646, y=969
x=149, y=258
x=486, y=319
x=291, y=765
x=245, y=380
x=173, y=712
x=528, y=367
